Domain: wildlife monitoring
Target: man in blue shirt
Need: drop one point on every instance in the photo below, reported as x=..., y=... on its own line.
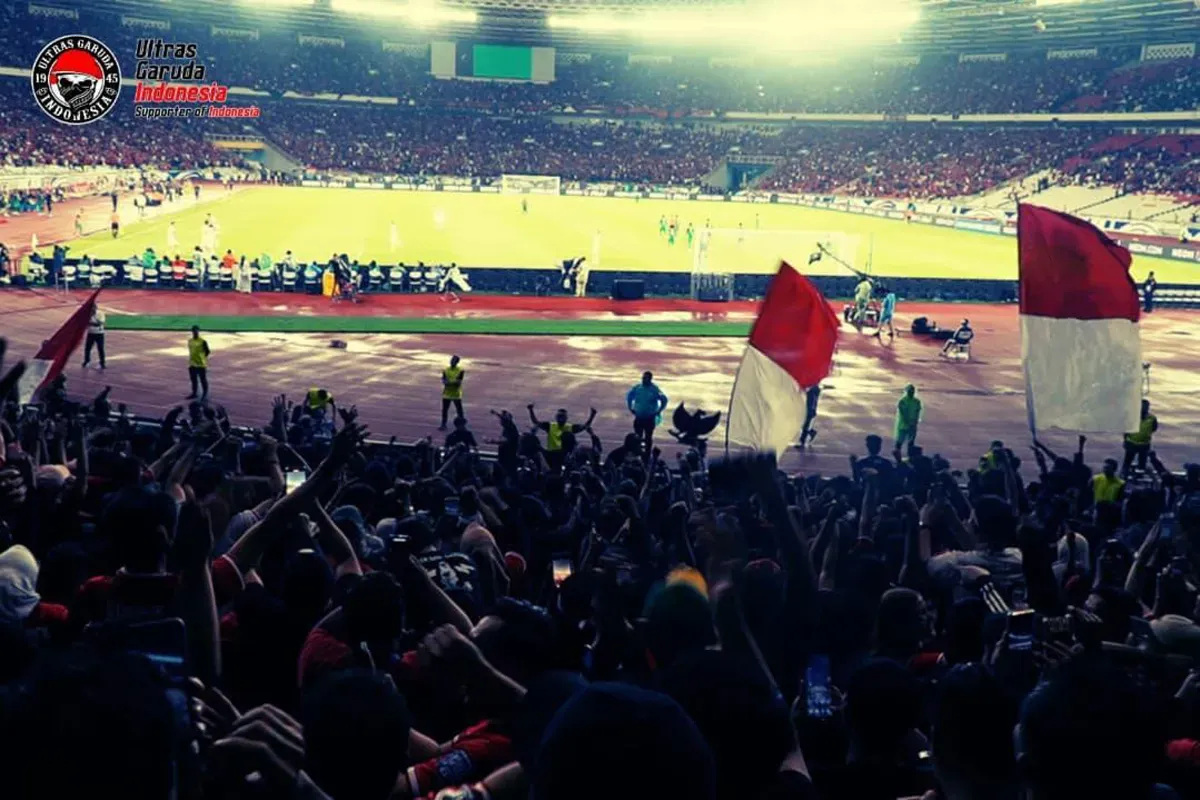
x=886, y=313
x=646, y=402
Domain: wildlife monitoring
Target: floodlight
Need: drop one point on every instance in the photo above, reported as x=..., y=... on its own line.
x=781, y=25
x=417, y=12
x=279, y=3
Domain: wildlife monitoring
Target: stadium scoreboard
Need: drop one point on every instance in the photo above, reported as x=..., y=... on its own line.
x=492, y=62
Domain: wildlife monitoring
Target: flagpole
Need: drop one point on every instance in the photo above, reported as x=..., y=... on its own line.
x=729, y=410
x=832, y=255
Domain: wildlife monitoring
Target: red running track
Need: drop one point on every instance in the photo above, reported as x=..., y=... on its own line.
x=394, y=378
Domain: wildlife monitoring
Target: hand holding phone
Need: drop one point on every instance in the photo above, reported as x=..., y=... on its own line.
x=818, y=697
x=560, y=570
x=293, y=478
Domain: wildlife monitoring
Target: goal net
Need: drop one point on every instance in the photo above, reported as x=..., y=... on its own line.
x=721, y=253
x=530, y=184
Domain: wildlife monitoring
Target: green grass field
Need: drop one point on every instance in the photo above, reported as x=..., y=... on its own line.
x=490, y=230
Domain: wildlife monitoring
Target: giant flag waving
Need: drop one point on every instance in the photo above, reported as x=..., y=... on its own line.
x=53, y=355
x=1080, y=347
x=791, y=348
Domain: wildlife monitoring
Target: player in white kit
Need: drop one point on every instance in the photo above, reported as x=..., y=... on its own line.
x=172, y=239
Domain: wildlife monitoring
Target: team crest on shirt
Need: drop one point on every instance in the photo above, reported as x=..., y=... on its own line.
x=454, y=767
x=76, y=79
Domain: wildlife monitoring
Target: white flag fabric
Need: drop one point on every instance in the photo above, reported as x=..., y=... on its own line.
x=791, y=348
x=1080, y=345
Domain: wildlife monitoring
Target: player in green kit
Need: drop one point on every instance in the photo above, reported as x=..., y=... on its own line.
x=691, y=234
x=662, y=226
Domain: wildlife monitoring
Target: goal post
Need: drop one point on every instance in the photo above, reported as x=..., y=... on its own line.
x=721, y=253
x=530, y=184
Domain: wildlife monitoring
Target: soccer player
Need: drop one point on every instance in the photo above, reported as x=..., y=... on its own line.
x=741, y=234
x=908, y=417
x=524, y=205
x=79, y=223
x=671, y=234
x=862, y=296
x=886, y=312
x=646, y=402
x=691, y=234
x=1148, y=290
x=115, y=223
x=393, y=236
x=195, y=191
x=662, y=225
x=452, y=381
x=198, y=353
x=172, y=238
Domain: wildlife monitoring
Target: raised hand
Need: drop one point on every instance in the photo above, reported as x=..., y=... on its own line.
x=193, y=536
x=346, y=443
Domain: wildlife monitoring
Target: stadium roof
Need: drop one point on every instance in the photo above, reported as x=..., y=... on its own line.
x=945, y=26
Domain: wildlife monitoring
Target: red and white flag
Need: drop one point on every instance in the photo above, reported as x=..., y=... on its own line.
x=791, y=348
x=1080, y=345
x=53, y=355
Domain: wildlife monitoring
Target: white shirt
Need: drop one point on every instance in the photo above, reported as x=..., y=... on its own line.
x=96, y=323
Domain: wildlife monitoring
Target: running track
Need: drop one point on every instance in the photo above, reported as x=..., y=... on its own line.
x=394, y=379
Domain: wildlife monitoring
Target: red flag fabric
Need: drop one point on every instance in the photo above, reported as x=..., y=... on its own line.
x=796, y=328
x=52, y=357
x=1069, y=268
x=790, y=349
x=1080, y=344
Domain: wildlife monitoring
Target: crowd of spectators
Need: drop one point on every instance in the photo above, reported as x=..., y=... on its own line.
x=28, y=137
x=190, y=609
x=472, y=145
x=275, y=61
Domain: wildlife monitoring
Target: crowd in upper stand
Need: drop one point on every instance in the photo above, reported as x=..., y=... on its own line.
x=275, y=61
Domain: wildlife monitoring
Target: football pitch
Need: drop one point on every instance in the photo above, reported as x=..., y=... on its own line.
x=486, y=230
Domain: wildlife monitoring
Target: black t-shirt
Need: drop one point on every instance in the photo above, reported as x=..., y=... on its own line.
x=872, y=782
x=790, y=786
x=460, y=436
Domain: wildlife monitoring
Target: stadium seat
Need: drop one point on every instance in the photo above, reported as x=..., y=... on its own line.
x=960, y=351
x=264, y=279
x=179, y=275
x=135, y=274
x=225, y=278
x=375, y=279
x=151, y=277
x=429, y=280
x=193, y=278
x=83, y=273
x=68, y=276
x=289, y=279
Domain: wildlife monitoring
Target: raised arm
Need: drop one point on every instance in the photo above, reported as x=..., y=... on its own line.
x=533, y=417
x=247, y=551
